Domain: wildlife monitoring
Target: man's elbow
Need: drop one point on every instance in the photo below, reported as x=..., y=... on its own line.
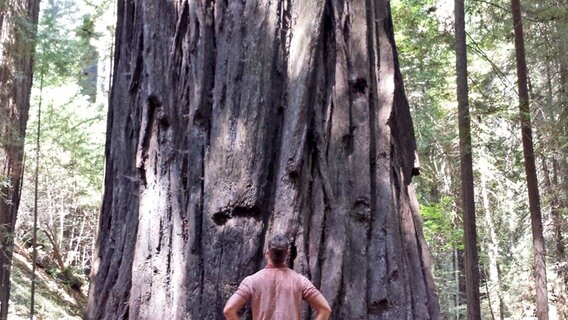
x=324, y=311
x=228, y=312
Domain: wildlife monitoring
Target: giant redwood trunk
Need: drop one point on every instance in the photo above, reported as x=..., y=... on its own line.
x=232, y=120
x=18, y=19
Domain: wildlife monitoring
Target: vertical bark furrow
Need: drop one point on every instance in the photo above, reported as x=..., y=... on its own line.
x=242, y=98
x=359, y=215
x=150, y=288
x=201, y=71
x=431, y=294
x=316, y=229
x=301, y=68
x=376, y=263
x=332, y=164
x=419, y=297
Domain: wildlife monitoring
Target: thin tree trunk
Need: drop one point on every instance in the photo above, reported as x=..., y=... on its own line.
x=58, y=235
x=560, y=225
x=560, y=164
x=466, y=163
x=489, y=301
x=553, y=178
x=74, y=250
x=495, y=291
x=551, y=187
x=57, y=254
x=18, y=20
x=530, y=168
x=559, y=221
x=457, y=296
x=232, y=120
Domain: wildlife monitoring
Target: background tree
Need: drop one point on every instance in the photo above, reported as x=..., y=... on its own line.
x=71, y=81
x=530, y=168
x=18, y=21
x=427, y=49
x=231, y=120
x=424, y=38
x=466, y=167
x=545, y=26
x=72, y=157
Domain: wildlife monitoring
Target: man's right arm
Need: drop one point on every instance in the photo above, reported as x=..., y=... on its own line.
x=321, y=306
x=235, y=303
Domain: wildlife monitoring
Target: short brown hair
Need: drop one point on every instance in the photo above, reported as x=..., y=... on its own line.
x=278, y=248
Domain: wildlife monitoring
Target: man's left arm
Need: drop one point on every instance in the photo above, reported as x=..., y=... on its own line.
x=315, y=299
x=235, y=303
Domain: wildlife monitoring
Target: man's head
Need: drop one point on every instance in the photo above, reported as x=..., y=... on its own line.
x=278, y=247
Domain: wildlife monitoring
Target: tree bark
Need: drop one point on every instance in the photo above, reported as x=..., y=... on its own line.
x=232, y=120
x=18, y=21
x=466, y=164
x=530, y=168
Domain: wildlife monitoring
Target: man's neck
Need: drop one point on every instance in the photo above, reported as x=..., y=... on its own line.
x=271, y=265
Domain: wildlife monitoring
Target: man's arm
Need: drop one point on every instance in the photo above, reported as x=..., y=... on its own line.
x=321, y=306
x=235, y=303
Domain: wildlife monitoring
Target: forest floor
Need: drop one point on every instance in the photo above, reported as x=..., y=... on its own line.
x=53, y=299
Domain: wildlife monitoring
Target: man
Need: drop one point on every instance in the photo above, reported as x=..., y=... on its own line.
x=276, y=292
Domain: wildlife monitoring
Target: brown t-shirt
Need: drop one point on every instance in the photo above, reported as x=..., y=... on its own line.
x=276, y=293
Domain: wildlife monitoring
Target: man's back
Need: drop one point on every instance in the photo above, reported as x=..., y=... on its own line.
x=276, y=292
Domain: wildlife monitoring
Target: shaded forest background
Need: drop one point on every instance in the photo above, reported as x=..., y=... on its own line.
x=71, y=81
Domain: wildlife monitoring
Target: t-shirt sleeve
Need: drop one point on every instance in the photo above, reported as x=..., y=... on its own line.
x=309, y=291
x=245, y=288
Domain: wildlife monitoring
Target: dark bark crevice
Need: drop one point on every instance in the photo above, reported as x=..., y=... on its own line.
x=136, y=75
